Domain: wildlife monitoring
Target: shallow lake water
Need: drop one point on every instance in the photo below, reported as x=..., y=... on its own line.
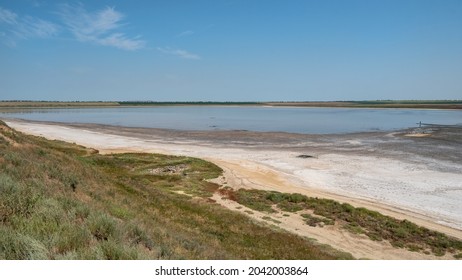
x=253, y=118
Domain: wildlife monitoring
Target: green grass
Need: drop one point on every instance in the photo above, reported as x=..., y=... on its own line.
x=378, y=227
x=269, y=219
x=62, y=201
x=317, y=221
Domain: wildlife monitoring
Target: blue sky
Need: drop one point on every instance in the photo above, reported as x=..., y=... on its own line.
x=225, y=50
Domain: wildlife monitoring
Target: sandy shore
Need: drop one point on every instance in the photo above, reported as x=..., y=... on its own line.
x=414, y=178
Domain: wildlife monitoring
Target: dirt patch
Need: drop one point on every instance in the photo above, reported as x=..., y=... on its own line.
x=168, y=170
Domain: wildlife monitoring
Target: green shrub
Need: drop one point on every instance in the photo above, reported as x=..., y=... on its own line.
x=15, y=198
x=74, y=208
x=275, y=197
x=317, y=221
x=113, y=250
x=16, y=246
x=71, y=238
x=354, y=228
x=296, y=198
x=102, y=226
x=290, y=207
x=136, y=235
x=254, y=200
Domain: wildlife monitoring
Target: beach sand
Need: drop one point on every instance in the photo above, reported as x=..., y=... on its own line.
x=413, y=178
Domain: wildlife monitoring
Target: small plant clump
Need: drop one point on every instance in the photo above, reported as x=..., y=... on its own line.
x=313, y=221
x=267, y=218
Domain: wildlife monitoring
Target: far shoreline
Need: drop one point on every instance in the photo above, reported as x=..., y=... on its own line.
x=367, y=104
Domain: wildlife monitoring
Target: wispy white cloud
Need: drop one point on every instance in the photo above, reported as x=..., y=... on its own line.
x=24, y=27
x=100, y=27
x=185, y=33
x=180, y=53
x=35, y=27
x=37, y=4
x=7, y=16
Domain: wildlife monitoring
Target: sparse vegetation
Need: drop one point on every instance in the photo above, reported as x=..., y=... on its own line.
x=422, y=104
x=269, y=219
x=62, y=201
x=317, y=221
x=378, y=227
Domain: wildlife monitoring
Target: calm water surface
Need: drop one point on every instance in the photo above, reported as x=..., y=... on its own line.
x=299, y=120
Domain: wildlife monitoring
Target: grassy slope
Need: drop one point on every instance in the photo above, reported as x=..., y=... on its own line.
x=62, y=201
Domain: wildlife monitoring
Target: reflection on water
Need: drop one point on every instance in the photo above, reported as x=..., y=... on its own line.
x=299, y=120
